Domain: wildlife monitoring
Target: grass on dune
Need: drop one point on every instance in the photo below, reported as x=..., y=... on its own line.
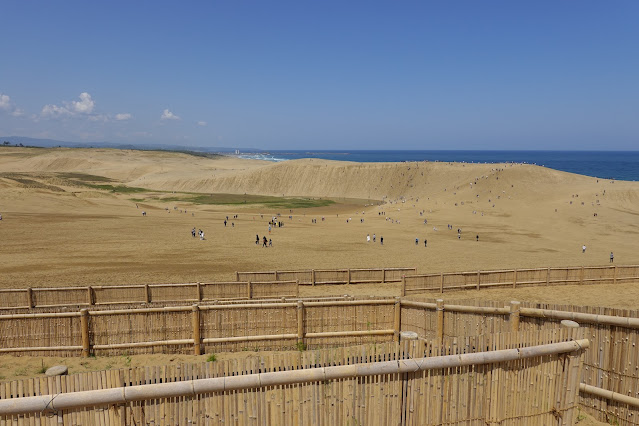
x=238, y=199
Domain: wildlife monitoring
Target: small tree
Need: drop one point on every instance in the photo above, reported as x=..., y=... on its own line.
x=6, y=143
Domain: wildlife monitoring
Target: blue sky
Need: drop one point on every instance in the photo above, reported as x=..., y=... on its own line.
x=324, y=75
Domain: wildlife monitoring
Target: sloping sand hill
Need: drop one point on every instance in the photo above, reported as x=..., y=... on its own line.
x=57, y=230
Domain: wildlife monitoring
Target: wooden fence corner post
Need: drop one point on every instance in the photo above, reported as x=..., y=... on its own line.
x=90, y=300
x=84, y=326
x=514, y=316
x=300, y=325
x=147, y=291
x=249, y=290
x=515, y=278
x=403, y=285
x=440, y=322
x=197, y=338
x=237, y=276
x=398, y=318
x=30, y=298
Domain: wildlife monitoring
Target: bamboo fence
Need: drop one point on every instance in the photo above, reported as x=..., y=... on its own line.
x=144, y=293
x=330, y=276
x=197, y=328
x=612, y=364
x=477, y=280
x=407, y=383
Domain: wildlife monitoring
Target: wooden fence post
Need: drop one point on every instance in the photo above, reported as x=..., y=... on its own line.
x=237, y=276
x=403, y=285
x=440, y=322
x=90, y=300
x=147, y=291
x=548, y=276
x=249, y=292
x=348, y=281
x=84, y=327
x=197, y=338
x=515, y=278
x=513, y=318
x=581, y=275
x=478, y=279
x=570, y=396
x=383, y=275
x=441, y=283
x=614, y=275
x=198, y=287
x=398, y=318
x=30, y=298
x=300, y=325
x=313, y=276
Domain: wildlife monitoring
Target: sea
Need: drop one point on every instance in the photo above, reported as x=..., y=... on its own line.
x=618, y=165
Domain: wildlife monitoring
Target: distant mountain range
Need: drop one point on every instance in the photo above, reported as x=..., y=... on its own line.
x=51, y=143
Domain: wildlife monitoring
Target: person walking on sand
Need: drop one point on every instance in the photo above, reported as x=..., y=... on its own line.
x=270, y=242
x=416, y=241
x=374, y=237
x=583, y=248
x=425, y=242
x=264, y=241
x=257, y=239
x=381, y=240
x=368, y=238
x=612, y=257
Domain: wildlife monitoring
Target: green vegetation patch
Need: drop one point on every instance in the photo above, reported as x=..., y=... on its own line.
x=83, y=177
x=237, y=199
x=117, y=188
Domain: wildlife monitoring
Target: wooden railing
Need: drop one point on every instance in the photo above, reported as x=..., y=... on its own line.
x=477, y=280
x=330, y=276
x=373, y=386
x=144, y=293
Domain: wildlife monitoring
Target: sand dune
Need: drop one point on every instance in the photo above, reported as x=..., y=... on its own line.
x=55, y=232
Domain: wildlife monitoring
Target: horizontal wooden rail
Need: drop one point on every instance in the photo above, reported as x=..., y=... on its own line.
x=581, y=317
x=144, y=344
x=610, y=395
x=128, y=394
x=41, y=348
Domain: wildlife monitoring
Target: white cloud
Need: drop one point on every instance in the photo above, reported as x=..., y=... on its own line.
x=84, y=105
x=5, y=102
x=74, y=108
x=8, y=106
x=201, y=123
x=55, y=111
x=168, y=115
x=123, y=116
